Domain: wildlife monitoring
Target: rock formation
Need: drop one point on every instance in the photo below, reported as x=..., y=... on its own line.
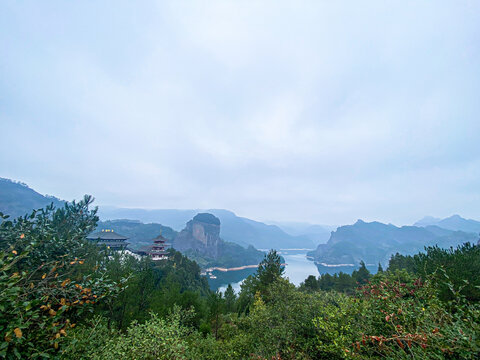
x=201, y=234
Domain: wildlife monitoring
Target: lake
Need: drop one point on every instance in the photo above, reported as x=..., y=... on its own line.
x=298, y=268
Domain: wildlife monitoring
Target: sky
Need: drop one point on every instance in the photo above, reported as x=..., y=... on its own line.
x=314, y=111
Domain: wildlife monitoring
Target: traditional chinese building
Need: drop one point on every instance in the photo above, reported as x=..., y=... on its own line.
x=158, y=251
x=110, y=239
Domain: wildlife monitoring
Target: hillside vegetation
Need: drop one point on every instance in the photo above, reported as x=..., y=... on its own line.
x=17, y=199
x=64, y=298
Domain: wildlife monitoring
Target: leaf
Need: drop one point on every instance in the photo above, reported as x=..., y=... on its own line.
x=18, y=332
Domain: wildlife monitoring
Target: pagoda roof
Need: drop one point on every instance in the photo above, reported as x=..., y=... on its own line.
x=160, y=238
x=106, y=235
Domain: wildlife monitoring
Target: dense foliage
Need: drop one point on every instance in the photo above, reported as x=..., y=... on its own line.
x=62, y=297
x=229, y=255
x=49, y=278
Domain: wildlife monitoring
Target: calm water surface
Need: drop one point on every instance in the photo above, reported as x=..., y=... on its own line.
x=298, y=268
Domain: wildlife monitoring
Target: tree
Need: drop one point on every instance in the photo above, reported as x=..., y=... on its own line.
x=230, y=299
x=361, y=275
x=311, y=283
x=50, y=276
x=216, y=303
x=270, y=269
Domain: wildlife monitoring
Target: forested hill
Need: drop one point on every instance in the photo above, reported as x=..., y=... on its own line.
x=17, y=199
x=375, y=242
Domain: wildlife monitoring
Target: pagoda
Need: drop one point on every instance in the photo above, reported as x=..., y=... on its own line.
x=109, y=238
x=158, y=251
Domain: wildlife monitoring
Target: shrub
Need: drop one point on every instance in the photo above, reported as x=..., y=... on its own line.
x=156, y=339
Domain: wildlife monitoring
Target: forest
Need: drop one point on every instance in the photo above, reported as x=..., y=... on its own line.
x=64, y=298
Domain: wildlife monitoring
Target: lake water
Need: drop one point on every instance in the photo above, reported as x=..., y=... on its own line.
x=298, y=268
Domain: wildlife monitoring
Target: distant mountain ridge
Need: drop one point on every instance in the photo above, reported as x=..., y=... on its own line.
x=454, y=222
x=318, y=234
x=17, y=199
x=375, y=242
x=236, y=229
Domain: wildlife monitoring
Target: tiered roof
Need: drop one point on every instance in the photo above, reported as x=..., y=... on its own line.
x=109, y=238
x=158, y=251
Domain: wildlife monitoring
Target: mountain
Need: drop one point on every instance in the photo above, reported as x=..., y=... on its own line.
x=454, y=222
x=317, y=234
x=236, y=229
x=427, y=221
x=139, y=235
x=175, y=218
x=17, y=199
x=200, y=241
x=375, y=242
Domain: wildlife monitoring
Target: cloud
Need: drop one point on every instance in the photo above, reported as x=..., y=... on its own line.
x=313, y=111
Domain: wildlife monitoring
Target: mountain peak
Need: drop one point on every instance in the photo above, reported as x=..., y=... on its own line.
x=454, y=223
x=207, y=218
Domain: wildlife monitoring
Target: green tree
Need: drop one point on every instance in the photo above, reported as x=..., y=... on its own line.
x=230, y=299
x=216, y=305
x=311, y=283
x=50, y=277
x=270, y=269
x=362, y=275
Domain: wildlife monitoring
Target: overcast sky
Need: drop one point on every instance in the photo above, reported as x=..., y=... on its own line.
x=318, y=111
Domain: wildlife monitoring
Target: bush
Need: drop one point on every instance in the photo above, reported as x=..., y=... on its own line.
x=48, y=279
x=156, y=339
x=403, y=317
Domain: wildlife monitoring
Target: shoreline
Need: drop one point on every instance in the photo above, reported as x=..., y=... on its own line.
x=222, y=269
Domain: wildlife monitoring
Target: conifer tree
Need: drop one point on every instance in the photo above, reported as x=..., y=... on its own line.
x=230, y=299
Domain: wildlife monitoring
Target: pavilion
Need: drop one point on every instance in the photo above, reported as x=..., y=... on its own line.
x=109, y=238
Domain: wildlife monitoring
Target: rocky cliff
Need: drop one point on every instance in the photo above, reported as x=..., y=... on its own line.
x=200, y=241
x=201, y=234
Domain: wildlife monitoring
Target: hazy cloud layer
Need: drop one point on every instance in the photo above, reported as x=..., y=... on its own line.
x=315, y=111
